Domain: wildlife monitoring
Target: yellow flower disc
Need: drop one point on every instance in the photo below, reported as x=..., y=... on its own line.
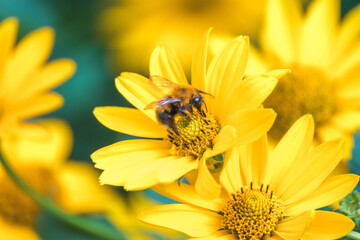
x=196, y=134
x=252, y=213
x=303, y=91
x=17, y=207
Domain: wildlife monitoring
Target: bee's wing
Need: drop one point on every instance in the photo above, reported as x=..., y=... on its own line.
x=162, y=102
x=162, y=84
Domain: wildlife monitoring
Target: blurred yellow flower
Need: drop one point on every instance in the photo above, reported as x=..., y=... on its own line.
x=43, y=164
x=324, y=57
x=134, y=28
x=25, y=78
x=266, y=196
x=233, y=117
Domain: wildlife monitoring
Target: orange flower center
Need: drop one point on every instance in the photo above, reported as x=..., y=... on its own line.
x=304, y=90
x=252, y=213
x=15, y=206
x=195, y=135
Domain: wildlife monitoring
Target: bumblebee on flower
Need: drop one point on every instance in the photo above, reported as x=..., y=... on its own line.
x=232, y=116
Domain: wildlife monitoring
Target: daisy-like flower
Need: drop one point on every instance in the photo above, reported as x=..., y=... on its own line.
x=43, y=164
x=266, y=195
x=324, y=58
x=25, y=79
x=233, y=117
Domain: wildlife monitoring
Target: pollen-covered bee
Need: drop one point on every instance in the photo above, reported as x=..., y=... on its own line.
x=178, y=99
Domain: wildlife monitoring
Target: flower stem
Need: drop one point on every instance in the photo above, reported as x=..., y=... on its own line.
x=353, y=235
x=82, y=223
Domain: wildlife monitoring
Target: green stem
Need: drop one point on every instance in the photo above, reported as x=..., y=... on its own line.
x=353, y=235
x=82, y=223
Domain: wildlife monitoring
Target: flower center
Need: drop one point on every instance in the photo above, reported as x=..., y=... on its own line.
x=304, y=90
x=252, y=213
x=15, y=206
x=196, y=134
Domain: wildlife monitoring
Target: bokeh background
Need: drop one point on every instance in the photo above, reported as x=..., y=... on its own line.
x=107, y=37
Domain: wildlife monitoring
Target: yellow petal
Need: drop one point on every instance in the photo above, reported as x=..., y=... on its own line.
x=164, y=63
x=11, y=231
x=185, y=193
x=293, y=145
x=50, y=76
x=219, y=235
x=225, y=70
x=205, y=184
x=116, y=150
x=138, y=91
x=8, y=32
x=146, y=175
x=349, y=32
x=230, y=177
x=198, y=65
x=176, y=169
x=348, y=63
x=256, y=64
x=292, y=228
x=281, y=32
x=222, y=142
x=315, y=167
x=348, y=121
x=31, y=52
x=250, y=125
x=250, y=94
x=331, y=190
x=321, y=20
x=129, y=121
x=194, y=221
x=39, y=105
x=329, y=225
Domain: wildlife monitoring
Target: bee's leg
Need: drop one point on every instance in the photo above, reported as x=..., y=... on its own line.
x=183, y=113
x=173, y=126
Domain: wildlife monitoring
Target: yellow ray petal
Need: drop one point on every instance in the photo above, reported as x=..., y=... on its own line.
x=39, y=105
x=165, y=63
x=222, y=142
x=321, y=20
x=194, y=221
x=30, y=53
x=292, y=228
x=256, y=64
x=281, y=32
x=230, y=177
x=30, y=131
x=205, y=184
x=226, y=69
x=129, y=121
x=293, y=145
x=176, y=169
x=50, y=76
x=250, y=94
x=128, y=146
x=328, y=225
x=349, y=32
x=185, y=193
x=138, y=91
x=348, y=121
x=251, y=124
x=348, y=63
x=331, y=190
x=315, y=167
x=8, y=32
x=198, y=65
x=219, y=235
x=146, y=175
x=12, y=231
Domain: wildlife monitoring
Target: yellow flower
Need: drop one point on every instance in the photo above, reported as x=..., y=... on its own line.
x=266, y=194
x=25, y=78
x=134, y=28
x=324, y=58
x=42, y=164
x=232, y=117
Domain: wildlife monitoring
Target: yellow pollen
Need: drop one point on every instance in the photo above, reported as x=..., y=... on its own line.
x=252, y=213
x=195, y=135
x=304, y=90
x=15, y=206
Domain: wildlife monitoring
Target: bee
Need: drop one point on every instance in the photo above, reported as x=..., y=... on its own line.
x=178, y=99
